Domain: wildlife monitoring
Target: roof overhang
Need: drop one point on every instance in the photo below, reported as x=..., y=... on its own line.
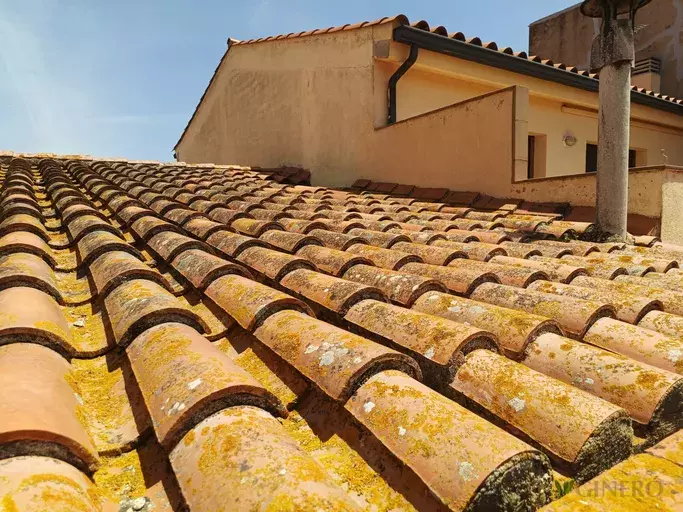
x=462, y=50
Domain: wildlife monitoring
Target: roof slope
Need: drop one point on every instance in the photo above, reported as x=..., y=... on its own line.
x=402, y=20
x=176, y=335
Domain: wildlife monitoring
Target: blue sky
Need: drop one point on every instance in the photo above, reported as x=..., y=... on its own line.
x=123, y=78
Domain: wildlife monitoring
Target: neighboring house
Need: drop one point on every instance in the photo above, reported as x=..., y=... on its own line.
x=469, y=116
x=659, y=43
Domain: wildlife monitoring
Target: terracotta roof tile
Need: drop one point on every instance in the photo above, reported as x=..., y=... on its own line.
x=642, y=470
x=402, y=288
x=258, y=463
x=426, y=425
x=58, y=485
x=581, y=450
x=151, y=273
x=193, y=383
x=38, y=408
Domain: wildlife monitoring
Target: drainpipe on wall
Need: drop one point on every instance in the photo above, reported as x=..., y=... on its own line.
x=613, y=55
x=393, y=81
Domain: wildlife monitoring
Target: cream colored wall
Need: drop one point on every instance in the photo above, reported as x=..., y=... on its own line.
x=645, y=190
x=466, y=146
x=437, y=80
x=656, y=192
x=419, y=91
x=303, y=101
x=317, y=102
x=672, y=208
x=321, y=102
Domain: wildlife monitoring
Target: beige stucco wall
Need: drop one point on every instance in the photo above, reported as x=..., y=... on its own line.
x=672, y=208
x=466, y=146
x=302, y=101
x=655, y=192
x=271, y=104
x=645, y=190
x=554, y=110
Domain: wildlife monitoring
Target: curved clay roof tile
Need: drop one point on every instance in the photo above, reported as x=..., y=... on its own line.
x=422, y=25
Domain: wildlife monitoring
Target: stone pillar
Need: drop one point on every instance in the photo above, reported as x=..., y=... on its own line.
x=613, y=55
x=613, y=143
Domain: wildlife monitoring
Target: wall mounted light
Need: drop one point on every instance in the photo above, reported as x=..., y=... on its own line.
x=569, y=140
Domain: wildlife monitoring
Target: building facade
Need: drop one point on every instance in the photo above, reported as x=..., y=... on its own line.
x=469, y=116
x=566, y=37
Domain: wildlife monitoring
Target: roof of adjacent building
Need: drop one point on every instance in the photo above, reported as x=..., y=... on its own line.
x=654, y=98
x=200, y=336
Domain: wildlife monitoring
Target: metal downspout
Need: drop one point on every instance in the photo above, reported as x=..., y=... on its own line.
x=393, y=81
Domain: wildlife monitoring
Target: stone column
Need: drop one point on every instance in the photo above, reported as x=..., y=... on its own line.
x=613, y=144
x=613, y=55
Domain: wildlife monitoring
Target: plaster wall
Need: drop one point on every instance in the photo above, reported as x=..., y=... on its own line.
x=302, y=101
x=465, y=146
x=672, y=208
x=554, y=110
x=315, y=102
x=644, y=191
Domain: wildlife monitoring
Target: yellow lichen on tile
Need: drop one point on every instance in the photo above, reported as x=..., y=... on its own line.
x=346, y=467
x=250, y=362
x=120, y=477
x=641, y=483
x=104, y=408
x=87, y=328
x=65, y=258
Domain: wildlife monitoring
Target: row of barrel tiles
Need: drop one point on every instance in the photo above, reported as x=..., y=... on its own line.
x=256, y=308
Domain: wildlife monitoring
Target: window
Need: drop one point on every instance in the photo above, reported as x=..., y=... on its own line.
x=592, y=158
x=530, y=163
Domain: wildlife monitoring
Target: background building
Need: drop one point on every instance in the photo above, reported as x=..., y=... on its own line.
x=566, y=36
